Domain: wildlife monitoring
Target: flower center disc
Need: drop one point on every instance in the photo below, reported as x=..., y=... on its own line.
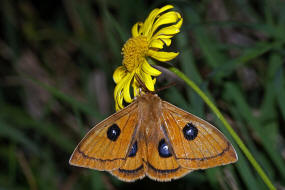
x=134, y=51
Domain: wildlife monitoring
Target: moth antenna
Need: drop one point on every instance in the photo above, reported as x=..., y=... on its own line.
x=143, y=86
x=165, y=87
x=145, y=89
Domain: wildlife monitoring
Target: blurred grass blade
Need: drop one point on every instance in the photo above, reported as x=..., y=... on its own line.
x=246, y=174
x=249, y=53
x=24, y=121
x=207, y=44
x=188, y=66
x=280, y=90
x=10, y=132
x=70, y=100
x=262, y=130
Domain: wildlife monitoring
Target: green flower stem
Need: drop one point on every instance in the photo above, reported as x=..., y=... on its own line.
x=224, y=121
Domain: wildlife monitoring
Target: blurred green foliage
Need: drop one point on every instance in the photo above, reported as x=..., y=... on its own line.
x=57, y=60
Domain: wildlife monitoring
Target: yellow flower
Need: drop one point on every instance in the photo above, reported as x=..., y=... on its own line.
x=148, y=38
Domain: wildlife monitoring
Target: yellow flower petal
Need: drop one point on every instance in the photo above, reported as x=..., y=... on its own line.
x=119, y=102
x=162, y=56
x=147, y=80
x=136, y=29
x=117, y=107
x=154, y=80
x=171, y=30
x=166, y=41
x=126, y=88
x=120, y=85
x=157, y=43
x=149, y=69
x=136, y=88
x=168, y=31
x=119, y=73
x=148, y=24
x=167, y=18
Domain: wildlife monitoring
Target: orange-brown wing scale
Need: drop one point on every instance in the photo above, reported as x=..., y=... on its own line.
x=196, y=143
x=151, y=138
x=133, y=167
x=106, y=145
x=147, y=161
x=154, y=157
x=161, y=164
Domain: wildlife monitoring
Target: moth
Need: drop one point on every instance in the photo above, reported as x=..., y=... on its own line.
x=151, y=137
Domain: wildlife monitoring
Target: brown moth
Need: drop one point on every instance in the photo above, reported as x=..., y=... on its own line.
x=153, y=138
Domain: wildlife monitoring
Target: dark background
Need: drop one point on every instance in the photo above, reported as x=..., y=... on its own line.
x=56, y=65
